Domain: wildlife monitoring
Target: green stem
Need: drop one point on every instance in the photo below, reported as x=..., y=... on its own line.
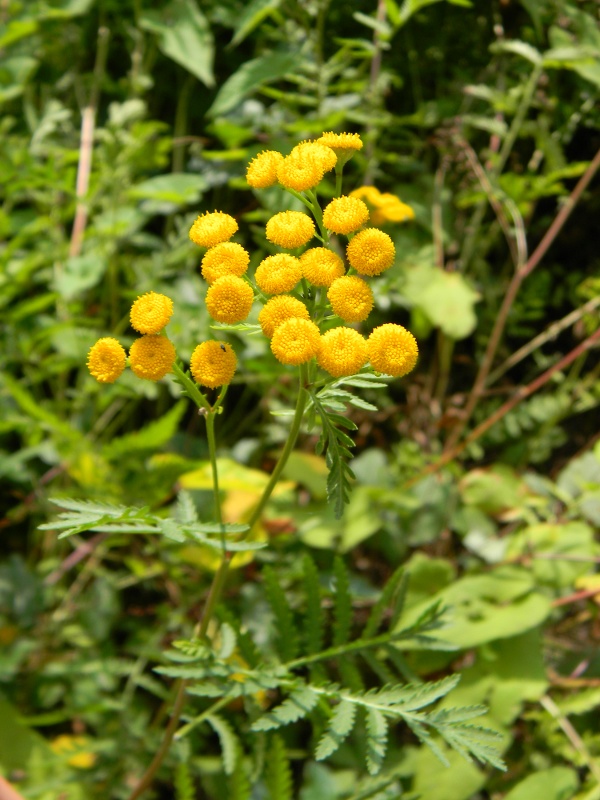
x=338, y=179
x=318, y=214
x=285, y=453
x=191, y=388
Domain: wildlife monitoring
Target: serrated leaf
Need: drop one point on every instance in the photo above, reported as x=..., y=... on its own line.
x=396, y=586
x=230, y=744
x=342, y=604
x=287, y=637
x=376, y=740
x=296, y=706
x=339, y=727
x=278, y=777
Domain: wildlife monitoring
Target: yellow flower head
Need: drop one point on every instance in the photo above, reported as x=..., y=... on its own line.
x=213, y=364
x=351, y=298
x=295, y=341
x=151, y=357
x=106, y=360
x=345, y=214
x=262, y=170
x=151, y=312
x=76, y=749
x=277, y=310
x=391, y=209
x=278, y=274
x=371, y=252
x=341, y=141
x=212, y=228
x=229, y=299
x=392, y=350
x=370, y=194
x=290, y=229
x=342, y=351
x=227, y=258
x=305, y=166
x=321, y=266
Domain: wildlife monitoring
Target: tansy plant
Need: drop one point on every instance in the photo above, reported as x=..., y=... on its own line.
x=312, y=293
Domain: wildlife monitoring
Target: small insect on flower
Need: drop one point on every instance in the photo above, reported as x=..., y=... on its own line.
x=223, y=348
x=213, y=364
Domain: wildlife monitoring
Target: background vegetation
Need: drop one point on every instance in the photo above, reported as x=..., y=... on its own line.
x=480, y=474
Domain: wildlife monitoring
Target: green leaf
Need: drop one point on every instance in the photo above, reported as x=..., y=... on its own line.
x=314, y=619
x=278, y=775
x=296, y=706
x=287, y=637
x=230, y=744
x=338, y=729
x=252, y=14
x=250, y=76
x=170, y=191
x=518, y=48
x=376, y=740
x=152, y=437
x=556, y=783
x=394, y=588
x=342, y=604
x=183, y=35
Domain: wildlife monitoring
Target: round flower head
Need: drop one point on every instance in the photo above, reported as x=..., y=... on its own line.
x=290, y=229
x=295, y=341
x=262, y=170
x=277, y=310
x=371, y=252
x=305, y=166
x=227, y=258
x=321, y=266
x=341, y=141
x=392, y=350
x=106, y=360
x=213, y=364
x=391, y=209
x=211, y=229
x=351, y=298
x=151, y=312
x=278, y=274
x=342, y=351
x=345, y=214
x=370, y=194
x=229, y=299
x=324, y=155
x=151, y=357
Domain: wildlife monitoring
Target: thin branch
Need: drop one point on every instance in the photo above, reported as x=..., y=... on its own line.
x=88, y=123
x=577, y=742
x=521, y=394
x=509, y=298
x=550, y=333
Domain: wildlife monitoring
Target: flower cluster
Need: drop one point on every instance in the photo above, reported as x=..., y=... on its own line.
x=305, y=294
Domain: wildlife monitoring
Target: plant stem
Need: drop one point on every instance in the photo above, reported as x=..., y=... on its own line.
x=285, y=453
x=212, y=450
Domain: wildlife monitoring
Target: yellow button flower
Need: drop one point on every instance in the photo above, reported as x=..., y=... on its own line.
x=106, y=360
x=369, y=194
x=342, y=351
x=278, y=274
x=213, y=364
x=151, y=312
x=392, y=350
x=305, y=166
x=262, y=170
x=76, y=749
x=290, y=229
x=295, y=341
x=351, y=298
x=341, y=141
x=345, y=214
x=151, y=357
x=229, y=299
x=227, y=258
x=371, y=252
x=212, y=228
x=321, y=266
x=278, y=309
x=391, y=209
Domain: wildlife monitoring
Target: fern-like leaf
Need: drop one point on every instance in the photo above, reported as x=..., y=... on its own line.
x=239, y=787
x=394, y=589
x=184, y=785
x=342, y=604
x=278, y=776
x=314, y=622
x=377, y=728
x=287, y=636
x=339, y=728
x=296, y=706
x=336, y=445
x=230, y=745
